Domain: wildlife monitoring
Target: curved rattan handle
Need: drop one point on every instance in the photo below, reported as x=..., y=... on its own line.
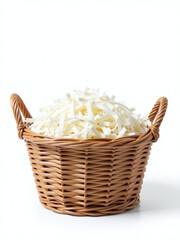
x=19, y=107
x=157, y=115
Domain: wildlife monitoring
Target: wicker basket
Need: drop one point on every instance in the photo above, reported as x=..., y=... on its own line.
x=88, y=177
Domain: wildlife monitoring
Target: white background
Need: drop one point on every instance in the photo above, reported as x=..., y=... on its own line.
x=127, y=48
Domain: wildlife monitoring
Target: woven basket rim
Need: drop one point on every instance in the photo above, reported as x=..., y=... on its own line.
x=31, y=136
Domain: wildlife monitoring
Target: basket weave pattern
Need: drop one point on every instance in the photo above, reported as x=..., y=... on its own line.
x=88, y=177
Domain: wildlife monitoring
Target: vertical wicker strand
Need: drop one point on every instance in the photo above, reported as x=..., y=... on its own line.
x=130, y=196
x=110, y=184
x=61, y=176
x=85, y=178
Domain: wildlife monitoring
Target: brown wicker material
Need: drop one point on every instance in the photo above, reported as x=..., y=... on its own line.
x=88, y=177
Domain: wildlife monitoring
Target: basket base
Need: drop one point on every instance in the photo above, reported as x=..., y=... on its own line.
x=99, y=211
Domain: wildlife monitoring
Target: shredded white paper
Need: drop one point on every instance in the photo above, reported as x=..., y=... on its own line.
x=88, y=114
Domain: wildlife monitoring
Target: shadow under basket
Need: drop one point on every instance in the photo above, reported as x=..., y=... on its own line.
x=88, y=177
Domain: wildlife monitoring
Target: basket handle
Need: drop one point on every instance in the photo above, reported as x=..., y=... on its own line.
x=157, y=115
x=19, y=107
